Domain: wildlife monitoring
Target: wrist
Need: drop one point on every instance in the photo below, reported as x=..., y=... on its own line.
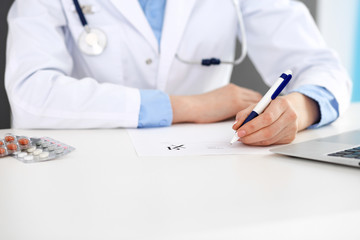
x=184, y=108
x=307, y=109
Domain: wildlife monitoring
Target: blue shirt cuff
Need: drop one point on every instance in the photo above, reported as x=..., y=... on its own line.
x=329, y=107
x=155, y=109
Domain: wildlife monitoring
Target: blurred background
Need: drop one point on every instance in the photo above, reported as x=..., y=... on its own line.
x=337, y=21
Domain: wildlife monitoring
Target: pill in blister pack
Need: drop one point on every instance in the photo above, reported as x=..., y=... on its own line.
x=30, y=150
x=43, y=149
x=3, y=149
x=11, y=145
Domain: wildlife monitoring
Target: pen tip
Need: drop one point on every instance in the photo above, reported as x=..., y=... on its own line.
x=234, y=139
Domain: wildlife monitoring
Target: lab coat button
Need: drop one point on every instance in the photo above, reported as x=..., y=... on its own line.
x=148, y=61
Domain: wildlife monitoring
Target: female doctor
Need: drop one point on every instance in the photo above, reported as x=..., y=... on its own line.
x=121, y=63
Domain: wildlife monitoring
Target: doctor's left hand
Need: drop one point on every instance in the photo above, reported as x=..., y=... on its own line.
x=280, y=121
x=217, y=105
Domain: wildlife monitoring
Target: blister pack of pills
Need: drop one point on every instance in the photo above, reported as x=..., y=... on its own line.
x=29, y=150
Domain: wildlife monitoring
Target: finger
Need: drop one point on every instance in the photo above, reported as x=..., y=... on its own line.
x=286, y=136
x=251, y=92
x=284, y=129
x=267, y=118
x=241, y=116
x=252, y=96
x=267, y=134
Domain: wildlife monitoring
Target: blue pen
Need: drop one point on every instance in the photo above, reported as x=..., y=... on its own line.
x=271, y=94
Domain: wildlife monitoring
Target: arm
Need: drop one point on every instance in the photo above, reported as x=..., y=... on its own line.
x=41, y=93
x=301, y=49
x=291, y=40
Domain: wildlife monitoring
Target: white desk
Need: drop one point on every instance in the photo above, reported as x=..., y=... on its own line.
x=105, y=191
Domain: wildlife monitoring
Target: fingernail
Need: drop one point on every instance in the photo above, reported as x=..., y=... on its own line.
x=241, y=133
x=235, y=122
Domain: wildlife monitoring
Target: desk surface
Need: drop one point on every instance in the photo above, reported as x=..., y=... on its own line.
x=103, y=190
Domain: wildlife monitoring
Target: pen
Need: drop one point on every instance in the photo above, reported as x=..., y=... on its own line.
x=271, y=94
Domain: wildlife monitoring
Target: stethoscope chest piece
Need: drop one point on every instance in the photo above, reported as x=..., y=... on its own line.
x=92, y=41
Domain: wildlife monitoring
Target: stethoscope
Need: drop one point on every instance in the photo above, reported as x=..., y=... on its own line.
x=93, y=41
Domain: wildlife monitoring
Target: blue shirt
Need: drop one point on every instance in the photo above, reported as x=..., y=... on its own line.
x=155, y=108
x=154, y=11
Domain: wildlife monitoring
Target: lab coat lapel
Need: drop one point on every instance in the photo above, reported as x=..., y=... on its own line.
x=132, y=11
x=176, y=18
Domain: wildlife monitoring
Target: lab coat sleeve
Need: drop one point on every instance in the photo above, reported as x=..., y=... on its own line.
x=282, y=35
x=41, y=93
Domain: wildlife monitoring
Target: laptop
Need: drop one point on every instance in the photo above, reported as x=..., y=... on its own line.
x=343, y=148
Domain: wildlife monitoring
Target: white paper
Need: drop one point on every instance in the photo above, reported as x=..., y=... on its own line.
x=190, y=139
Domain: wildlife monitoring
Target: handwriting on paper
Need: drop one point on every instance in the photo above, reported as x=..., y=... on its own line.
x=176, y=147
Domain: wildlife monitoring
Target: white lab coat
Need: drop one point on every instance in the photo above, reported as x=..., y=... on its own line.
x=51, y=84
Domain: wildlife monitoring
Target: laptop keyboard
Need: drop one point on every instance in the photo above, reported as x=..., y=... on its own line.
x=348, y=153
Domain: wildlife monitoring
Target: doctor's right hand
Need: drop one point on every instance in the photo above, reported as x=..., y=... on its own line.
x=217, y=105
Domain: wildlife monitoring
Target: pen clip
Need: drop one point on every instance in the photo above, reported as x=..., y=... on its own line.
x=287, y=79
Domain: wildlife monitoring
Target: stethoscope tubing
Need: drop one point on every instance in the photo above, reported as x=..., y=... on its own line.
x=80, y=13
x=217, y=61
